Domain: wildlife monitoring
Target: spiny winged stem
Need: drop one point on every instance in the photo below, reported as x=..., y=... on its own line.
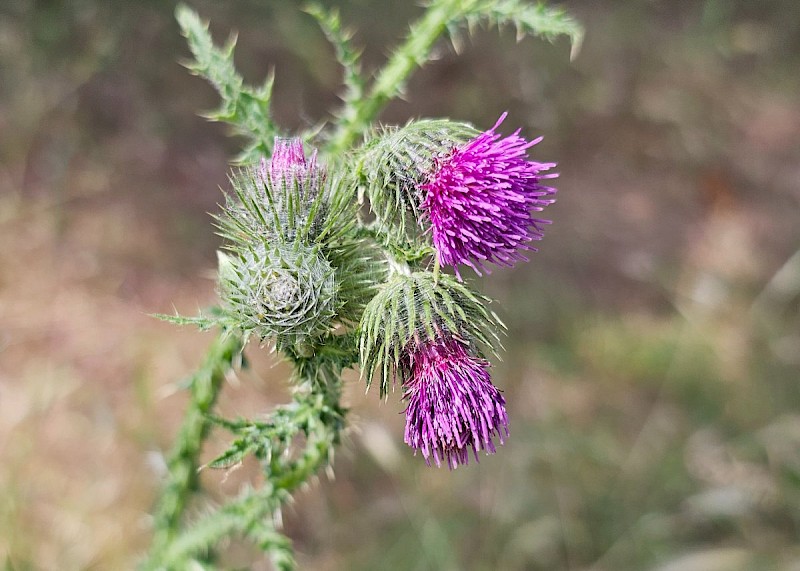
x=182, y=464
x=314, y=414
x=445, y=16
x=391, y=79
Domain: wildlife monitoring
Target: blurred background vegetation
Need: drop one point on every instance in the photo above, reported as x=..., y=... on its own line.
x=653, y=360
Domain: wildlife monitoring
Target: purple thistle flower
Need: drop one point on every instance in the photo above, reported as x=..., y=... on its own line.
x=452, y=404
x=479, y=199
x=288, y=164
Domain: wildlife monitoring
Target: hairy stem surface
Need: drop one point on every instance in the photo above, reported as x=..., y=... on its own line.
x=319, y=418
x=392, y=78
x=183, y=461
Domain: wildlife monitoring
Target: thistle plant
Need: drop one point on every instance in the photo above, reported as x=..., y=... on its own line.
x=302, y=270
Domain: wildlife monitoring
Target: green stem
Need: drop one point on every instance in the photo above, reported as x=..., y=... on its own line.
x=183, y=461
x=391, y=79
x=251, y=514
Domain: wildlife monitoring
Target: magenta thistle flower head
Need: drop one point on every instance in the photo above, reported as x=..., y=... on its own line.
x=288, y=164
x=479, y=198
x=452, y=404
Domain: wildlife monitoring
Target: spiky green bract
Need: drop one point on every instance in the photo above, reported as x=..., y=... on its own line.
x=419, y=307
x=315, y=209
x=295, y=235
x=393, y=164
x=284, y=291
x=359, y=266
x=244, y=107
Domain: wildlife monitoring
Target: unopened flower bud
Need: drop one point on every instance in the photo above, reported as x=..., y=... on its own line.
x=288, y=165
x=286, y=292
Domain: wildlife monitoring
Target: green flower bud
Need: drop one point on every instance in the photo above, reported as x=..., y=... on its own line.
x=286, y=292
x=295, y=263
x=288, y=199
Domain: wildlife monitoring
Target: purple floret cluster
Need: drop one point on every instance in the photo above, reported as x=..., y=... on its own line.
x=453, y=407
x=479, y=198
x=289, y=165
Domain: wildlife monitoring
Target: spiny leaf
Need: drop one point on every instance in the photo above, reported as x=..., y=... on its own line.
x=233, y=456
x=347, y=56
x=529, y=20
x=249, y=515
x=446, y=16
x=263, y=533
x=244, y=107
x=203, y=322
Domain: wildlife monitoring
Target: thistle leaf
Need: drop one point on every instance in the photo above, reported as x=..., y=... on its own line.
x=528, y=20
x=244, y=107
x=347, y=56
x=203, y=322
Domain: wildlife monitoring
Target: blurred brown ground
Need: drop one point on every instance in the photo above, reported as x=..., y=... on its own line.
x=653, y=359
